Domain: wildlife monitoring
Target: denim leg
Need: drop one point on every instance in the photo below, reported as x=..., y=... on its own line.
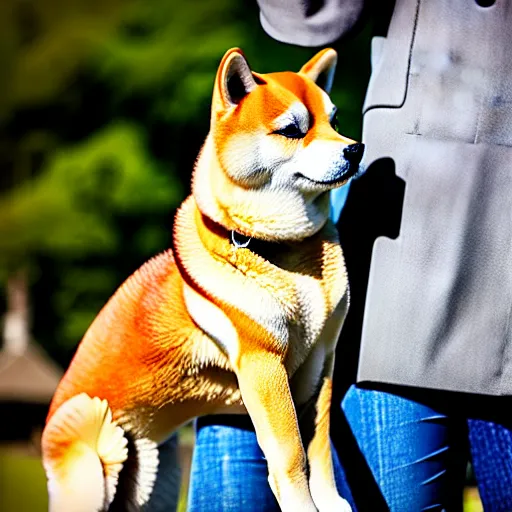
x=341, y=480
x=491, y=452
x=165, y=494
x=410, y=450
x=229, y=472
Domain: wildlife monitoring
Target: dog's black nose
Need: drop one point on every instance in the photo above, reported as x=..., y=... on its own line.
x=354, y=152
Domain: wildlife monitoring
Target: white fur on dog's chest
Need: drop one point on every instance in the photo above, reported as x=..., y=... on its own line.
x=313, y=313
x=296, y=323
x=313, y=307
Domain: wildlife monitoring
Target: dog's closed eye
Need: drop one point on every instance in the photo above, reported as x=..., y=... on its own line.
x=292, y=131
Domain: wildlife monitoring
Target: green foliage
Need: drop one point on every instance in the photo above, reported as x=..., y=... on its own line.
x=68, y=208
x=22, y=483
x=44, y=43
x=162, y=40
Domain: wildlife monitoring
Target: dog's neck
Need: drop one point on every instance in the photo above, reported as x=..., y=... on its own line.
x=198, y=239
x=255, y=212
x=221, y=241
x=238, y=241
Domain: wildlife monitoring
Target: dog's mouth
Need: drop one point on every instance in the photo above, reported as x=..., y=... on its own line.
x=347, y=173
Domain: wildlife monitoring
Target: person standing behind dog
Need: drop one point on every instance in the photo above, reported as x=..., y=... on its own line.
x=427, y=236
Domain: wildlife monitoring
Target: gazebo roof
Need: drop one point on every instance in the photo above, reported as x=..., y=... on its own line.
x=29, y=377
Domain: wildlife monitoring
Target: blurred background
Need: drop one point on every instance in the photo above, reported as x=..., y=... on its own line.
x=104, y=105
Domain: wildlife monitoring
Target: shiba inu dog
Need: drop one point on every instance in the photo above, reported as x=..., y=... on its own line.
x=243, y=316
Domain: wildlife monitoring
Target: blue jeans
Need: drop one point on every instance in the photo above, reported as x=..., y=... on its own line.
x=416, y=455
x=229, y=471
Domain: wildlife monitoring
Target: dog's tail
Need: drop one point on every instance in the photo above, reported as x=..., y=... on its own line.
x=83, y=454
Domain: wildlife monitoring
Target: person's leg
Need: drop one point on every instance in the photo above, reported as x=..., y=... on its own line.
x=229, y=472
x=491, y=453
x=416, y=454
x=165, y=493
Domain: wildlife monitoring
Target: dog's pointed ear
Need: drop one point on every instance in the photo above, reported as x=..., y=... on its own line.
x=234, y=80
x=321, y=68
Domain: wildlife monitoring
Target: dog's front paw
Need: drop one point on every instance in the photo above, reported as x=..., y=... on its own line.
x=336, y=504
x=343, y=506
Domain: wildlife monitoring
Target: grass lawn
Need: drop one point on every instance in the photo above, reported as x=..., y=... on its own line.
x=23, y=485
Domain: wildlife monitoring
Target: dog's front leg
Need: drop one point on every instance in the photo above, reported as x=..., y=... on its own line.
x=321, y=481
x=263, y=382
